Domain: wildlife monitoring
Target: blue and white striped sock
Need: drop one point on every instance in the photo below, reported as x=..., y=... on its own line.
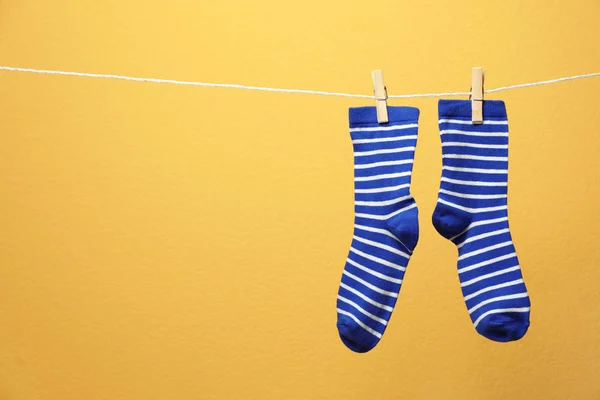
x=472, y=212
x=386, y=226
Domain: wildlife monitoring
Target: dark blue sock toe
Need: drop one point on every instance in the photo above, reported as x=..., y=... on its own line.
x=503, y=327
x=353, y=336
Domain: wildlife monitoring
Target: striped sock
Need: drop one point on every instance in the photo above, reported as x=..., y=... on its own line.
x=385, y=225
x=472, y=212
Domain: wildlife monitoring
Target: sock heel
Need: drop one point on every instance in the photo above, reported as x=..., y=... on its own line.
x=448, y=221
x=405, y=227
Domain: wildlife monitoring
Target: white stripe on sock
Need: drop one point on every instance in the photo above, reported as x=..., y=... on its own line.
x=378, y=260
x=482, y=236
x=381, y=246
x=382, y=164
x=490, y=275
x=381, y=176
x=383, y=202
x=480, y=223
x=495, y=299
x=469, y=122
x=384, y=151
x=472, y=157
x=384, y=128
x=370, y=286
x=485, y=250
x=473, y=183
x=362, y=310
x=488, y=221
x=366, y=298
x=471, y=133
x=374, y=273
x=384, y=217
x=477, y=170
x=473, y=196
x=490, y=288
x=472, y=210
x=409, y=207
x=486, y=262
x=499, y=311
x=384, y=139
x=377, y=230
x=476, y=145
x=382, y=189
x=365, y=327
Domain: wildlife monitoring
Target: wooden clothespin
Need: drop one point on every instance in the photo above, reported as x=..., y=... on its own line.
x=380, y=96
x=477, y=78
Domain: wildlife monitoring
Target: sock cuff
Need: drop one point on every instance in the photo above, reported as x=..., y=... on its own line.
x=462, y=109
x=368, y=115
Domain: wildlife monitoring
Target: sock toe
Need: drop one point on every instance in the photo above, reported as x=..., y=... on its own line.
x=352, y=336
x=503, y=328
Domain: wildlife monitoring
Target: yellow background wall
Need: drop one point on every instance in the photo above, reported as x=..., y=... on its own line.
x=169, y=242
